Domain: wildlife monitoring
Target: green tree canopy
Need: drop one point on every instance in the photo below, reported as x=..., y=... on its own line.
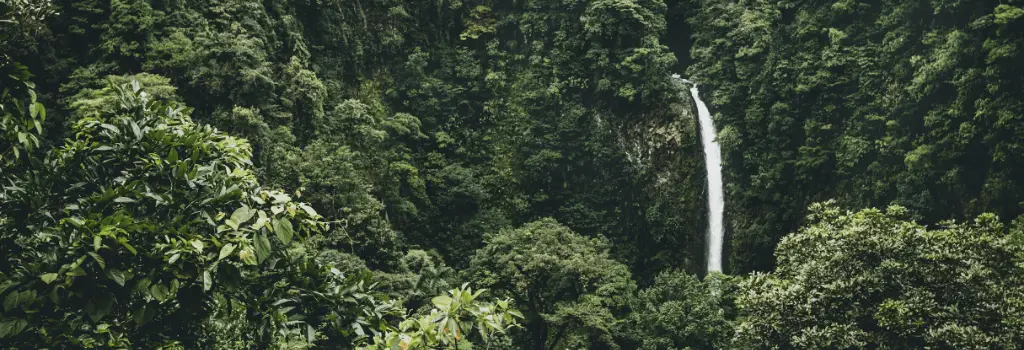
x=871, y=279
x=680, y=311
x=145, y=225
x=571, y=291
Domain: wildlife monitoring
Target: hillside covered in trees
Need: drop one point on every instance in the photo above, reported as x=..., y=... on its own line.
x=528, y=174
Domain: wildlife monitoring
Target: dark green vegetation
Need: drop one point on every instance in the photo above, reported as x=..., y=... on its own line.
x=916, y=103
x=354, y=174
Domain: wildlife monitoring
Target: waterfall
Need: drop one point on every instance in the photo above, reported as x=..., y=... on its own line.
x=713, y=163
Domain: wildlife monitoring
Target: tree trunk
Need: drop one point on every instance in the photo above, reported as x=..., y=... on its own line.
x=539, y=333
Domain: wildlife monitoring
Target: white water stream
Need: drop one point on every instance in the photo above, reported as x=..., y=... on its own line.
x=716, y=196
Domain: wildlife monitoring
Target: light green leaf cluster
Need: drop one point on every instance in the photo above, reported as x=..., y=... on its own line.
x=147, y=216
x=452, y=320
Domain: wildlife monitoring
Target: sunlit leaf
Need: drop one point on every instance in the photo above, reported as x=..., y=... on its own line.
x=226, y=250
x=49, y=277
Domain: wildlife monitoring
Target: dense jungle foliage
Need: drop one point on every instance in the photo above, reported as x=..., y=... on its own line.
x=488, y=174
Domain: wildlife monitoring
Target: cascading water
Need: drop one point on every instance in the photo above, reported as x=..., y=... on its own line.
x=716, y=197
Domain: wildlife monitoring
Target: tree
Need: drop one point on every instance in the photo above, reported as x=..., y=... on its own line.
x=98, y=96
x=571, y=291
x=21, y=22
x=21, y=116
x=871, y=279
x=420, y=275
x=331, y=179
x=451, y=323
x=145, y=225
x=128, y=31
x=356, y=171
x=680, y=311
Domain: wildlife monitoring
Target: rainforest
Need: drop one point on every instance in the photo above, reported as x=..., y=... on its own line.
x=511, y=174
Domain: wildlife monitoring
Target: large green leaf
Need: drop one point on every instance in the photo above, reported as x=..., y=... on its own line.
x=226, y=250
x=283, y=229
x=9, y=328
x=241, y=215
x=442, y=302
x=207, y=281
x=159, y=291
x=48, y=277
x=99, y=306
x=99, y=259
x=116, y=275
x=262, y=245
